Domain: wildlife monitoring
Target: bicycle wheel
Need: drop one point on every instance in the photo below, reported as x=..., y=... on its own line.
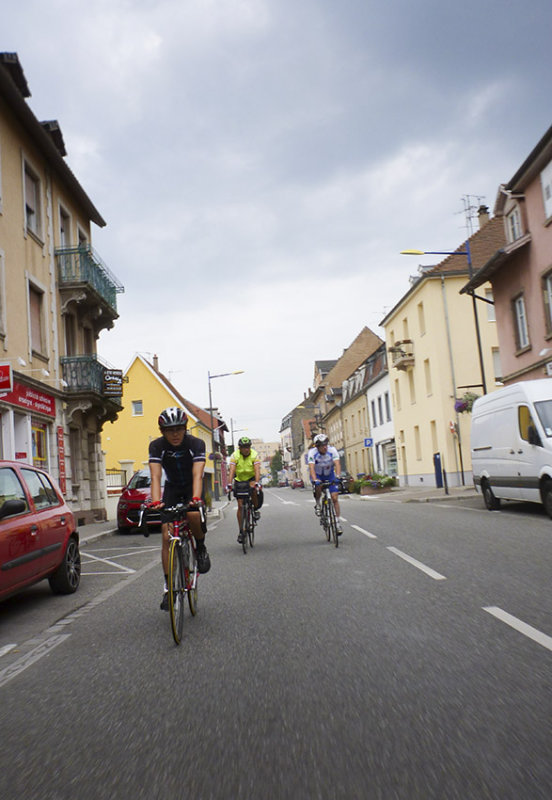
x=191, y=575
x=251, y=527
x=325, y=519
x=177, y=588
x=244, y=529
x=332, y=526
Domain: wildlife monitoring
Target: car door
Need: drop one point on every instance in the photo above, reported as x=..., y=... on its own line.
x=52, y=519
x=527, y=455
x=19, y=535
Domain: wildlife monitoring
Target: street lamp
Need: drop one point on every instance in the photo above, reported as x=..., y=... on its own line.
x=467, y=253
x=209, y=379
x=235, y=430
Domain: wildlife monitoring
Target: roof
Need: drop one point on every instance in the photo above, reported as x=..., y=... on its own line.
x=46, y=136
x=537, y=159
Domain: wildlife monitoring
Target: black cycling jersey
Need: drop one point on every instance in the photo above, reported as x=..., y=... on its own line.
x=177, y=461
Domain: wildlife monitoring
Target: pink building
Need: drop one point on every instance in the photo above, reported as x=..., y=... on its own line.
x=521, y=271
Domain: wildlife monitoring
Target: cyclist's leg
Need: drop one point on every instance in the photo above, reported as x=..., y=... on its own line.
x=255, y=501
x=203, y=560
x=239, y=514
x=176, y=589
x=335, y=500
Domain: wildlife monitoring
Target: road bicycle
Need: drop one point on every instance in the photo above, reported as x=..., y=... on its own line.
x=183, y=572
x=328, y=519
x=242, y=489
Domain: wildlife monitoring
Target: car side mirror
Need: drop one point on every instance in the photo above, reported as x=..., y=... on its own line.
x=11, y=507
x=534, y=437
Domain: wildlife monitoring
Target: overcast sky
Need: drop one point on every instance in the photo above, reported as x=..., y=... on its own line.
x=261, y=163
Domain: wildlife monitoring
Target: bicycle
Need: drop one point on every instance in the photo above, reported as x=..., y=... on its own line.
x=242, y=489
x=328, y=519
x=183, y=572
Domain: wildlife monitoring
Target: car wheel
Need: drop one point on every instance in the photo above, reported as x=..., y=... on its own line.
x=66, y=578
x=492, y=502
x=547, y=497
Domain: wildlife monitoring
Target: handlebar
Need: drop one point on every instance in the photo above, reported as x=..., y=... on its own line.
x=170, y=513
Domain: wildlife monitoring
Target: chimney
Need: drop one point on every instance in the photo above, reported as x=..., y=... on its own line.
x=156, y=363
x=483, y=215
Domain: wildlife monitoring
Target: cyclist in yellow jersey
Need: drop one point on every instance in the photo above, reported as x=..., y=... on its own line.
x=245, y=466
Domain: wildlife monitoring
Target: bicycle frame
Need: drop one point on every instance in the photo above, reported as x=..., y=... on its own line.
x=247, y=526
x=328, y=518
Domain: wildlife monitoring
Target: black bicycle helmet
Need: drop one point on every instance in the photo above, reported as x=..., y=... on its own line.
x=172, y=418
x=245, y=441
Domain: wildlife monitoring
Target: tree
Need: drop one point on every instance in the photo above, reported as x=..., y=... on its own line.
x=276, y=465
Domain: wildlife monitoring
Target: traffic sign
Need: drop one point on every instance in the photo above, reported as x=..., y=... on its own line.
x=368, y=443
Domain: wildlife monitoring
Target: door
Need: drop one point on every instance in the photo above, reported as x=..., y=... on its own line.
x=19, y=535
x=527, y=456
x=51, y=519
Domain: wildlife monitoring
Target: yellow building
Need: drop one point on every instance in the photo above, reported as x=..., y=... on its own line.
x=433, y=360
x=146, y=392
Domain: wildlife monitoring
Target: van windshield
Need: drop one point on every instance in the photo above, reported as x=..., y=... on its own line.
x=544, y=410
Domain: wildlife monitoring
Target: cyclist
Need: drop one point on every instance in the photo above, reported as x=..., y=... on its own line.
x=324, y=465
x=245, y=465
x=183, y=458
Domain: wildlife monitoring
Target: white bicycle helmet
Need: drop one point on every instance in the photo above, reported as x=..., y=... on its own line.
x=320, y=438
x=172, y=418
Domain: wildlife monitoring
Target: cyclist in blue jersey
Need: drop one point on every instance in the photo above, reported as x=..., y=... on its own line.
x=324, y=465
x=182, y=457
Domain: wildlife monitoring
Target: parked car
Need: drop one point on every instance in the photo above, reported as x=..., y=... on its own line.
x=346, y=483
x=281, y=484
x=297, y=483
x=38, y=538
x=136, y=492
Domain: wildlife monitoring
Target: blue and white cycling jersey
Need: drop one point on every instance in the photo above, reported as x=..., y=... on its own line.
x=323, y=462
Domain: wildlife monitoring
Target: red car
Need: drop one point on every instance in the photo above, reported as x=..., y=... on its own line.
x=38, y=538
x=136, y=492
x=297, y=483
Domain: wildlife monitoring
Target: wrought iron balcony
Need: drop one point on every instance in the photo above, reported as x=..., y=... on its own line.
x=402, y=354
x=87, y=374
x=78, y=266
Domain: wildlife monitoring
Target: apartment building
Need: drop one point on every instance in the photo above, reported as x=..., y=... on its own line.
x=56, y=296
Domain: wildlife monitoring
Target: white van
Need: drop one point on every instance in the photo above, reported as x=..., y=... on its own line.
x=511, y=444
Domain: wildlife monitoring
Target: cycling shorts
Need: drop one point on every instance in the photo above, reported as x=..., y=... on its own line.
x=332, y=479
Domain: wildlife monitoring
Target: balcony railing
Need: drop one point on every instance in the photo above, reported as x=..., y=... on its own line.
x=82, y=265
x=402, y=354
x=88, y=374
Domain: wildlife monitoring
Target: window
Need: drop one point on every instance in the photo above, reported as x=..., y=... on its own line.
x=546, y=183
x=41, y=489
x=76, y=458
x=427, y=373
x=547, y=300
x=513, y=223
x=527, y=428
x=491, y=315
x=64, y=228
x=411, y=386
x=520, y=317
x=417, y=443
x=36, y=311
x=387, y=407
x=380, y=411
x=374, y=420
x=405, y=328
x=497, y=366
x=70, y=335
x=433, y=430
x=397, y=395
x=39, y=446
x=421, y=319
x=10, y=487
x=32, y=202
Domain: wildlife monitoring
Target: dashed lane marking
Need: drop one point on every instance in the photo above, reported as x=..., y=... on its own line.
x=418, y=564
x=366, y=533
x=522, y=627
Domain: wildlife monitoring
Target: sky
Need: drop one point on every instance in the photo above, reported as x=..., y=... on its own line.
x=260, y=165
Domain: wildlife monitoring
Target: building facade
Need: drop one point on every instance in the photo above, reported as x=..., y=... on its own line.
x=56, y=296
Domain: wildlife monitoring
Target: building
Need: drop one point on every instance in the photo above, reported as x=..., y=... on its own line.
x=56, y=296
x=146, y=392
x=520, y=271
x=432, y=345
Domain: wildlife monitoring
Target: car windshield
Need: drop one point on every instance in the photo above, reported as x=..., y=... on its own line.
x=142, y=480
x=544, y=410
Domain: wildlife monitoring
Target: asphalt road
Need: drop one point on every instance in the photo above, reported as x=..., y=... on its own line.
x=412, y=662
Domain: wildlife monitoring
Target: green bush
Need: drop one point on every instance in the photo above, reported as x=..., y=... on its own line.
x=375, y=481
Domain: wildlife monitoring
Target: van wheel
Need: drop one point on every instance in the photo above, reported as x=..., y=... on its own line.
x=547, y=497
x=492, y=502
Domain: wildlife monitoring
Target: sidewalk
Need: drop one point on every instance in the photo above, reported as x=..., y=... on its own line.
x=419, y=494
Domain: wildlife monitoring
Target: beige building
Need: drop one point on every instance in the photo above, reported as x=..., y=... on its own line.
x=56, y=296
x=433, y=359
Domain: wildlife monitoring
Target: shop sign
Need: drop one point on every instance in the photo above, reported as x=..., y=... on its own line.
x=113, y=382
x=32, y=399
x=61, y=460
x=6, y=378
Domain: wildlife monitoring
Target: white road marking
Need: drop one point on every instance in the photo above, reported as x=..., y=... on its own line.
x=106, y=561
x=366, y=533
x=522, y=627
x=29, y=658
x=418, y=564
x=6, y=649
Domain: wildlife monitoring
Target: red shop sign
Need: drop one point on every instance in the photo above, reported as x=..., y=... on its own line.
x=61, y=460
x=31, y=399
x=6, y=381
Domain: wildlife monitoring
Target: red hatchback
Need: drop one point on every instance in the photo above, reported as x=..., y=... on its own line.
x=38, y=538
x=136, y=492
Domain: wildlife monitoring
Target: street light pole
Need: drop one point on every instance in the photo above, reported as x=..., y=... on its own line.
x=213, y=443
x=467, y=253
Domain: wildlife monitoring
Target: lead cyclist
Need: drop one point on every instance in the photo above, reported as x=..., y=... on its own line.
x=324, y=465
